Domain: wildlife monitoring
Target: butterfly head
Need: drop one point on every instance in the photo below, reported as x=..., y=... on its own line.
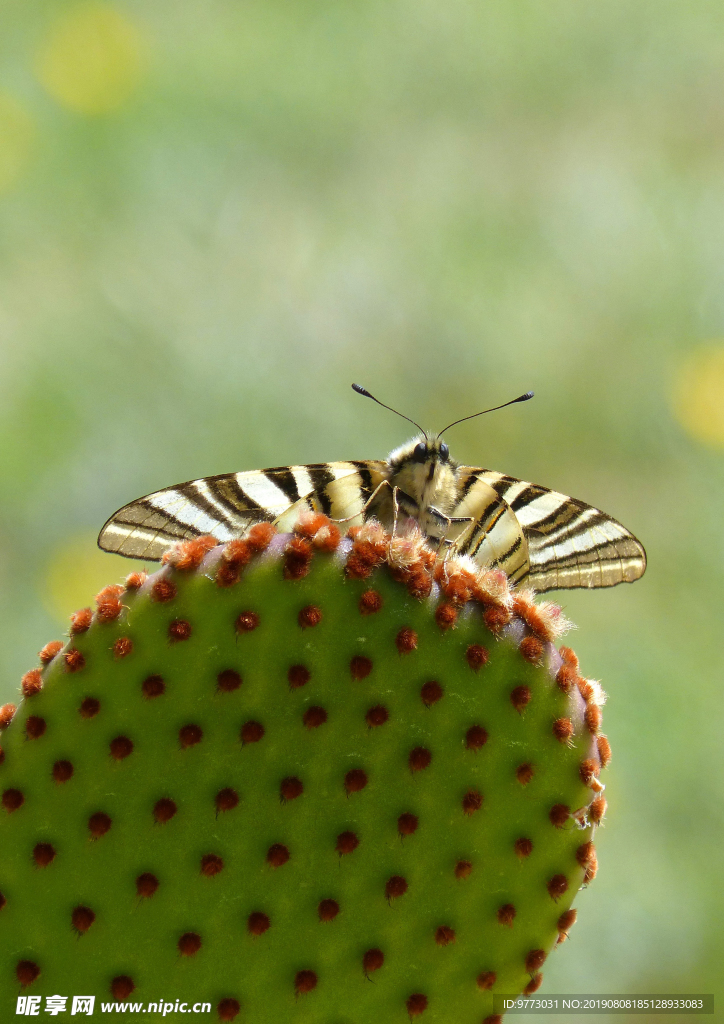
x=422, y=468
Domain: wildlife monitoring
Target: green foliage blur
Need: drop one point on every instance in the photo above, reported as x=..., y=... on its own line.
x=214, y=218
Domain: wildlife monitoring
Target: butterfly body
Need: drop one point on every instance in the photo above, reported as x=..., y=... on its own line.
x=538, y=536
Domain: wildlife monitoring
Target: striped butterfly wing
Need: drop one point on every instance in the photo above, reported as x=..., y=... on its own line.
x=225, y=506
x=570, y=544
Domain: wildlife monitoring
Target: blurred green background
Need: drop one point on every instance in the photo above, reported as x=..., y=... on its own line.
x=214, y=218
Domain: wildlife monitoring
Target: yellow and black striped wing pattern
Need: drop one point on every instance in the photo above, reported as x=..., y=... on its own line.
x=224, y=506
x=568, y=543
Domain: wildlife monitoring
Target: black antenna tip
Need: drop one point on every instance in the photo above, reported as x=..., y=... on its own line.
x=361, y=391
x=523, y=398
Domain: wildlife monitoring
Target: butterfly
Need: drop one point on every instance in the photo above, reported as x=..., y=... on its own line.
x=538, y=537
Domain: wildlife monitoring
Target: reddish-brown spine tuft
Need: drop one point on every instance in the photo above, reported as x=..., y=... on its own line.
x=74, y=660
x=476, y=656
x=27, y=972
x=136, y=580
x=62, y=771
x=535, y=960
x=446, y=615
x=12, y=800
x=153, y=686
x=50, y=650
x=486, y=980
x=372, y=960
x=557, y=886
x=251, y=732
x=506, y=915
x=604, y=750
x=406, y=640
x=444, y=935
x=566, y=677
x=189, y=554
x=585, y=854
x=463, y=869
x=472, y=801
x=305, y=981
x=98, y=824
x=407, y=824
x=496, y=617
x=277, y=855
x=396, y=886
x=31, y=683
x=179, y=630
x=228, y=680
x=585, y=688
x=89, y=708
x=314, y=717
x=260, y=536
x=569, y=657
x=416, y=1005
x=520, y=698
x=123, y=647
x=298, y=676
x=146, y=885
x=523, y=847
x=328, y=910
x=163, y=590
x=431, y=693
x=247, y=622
x=310, y=616
x=228, y=1009
x=82, y=918
x=6, y=715
x=591, y=870
x=476, y=737
x=419, y=759
x=189, y=944
x=211, y=864
x=533, y=985
x=377, y=715
x=559, y=815
x=108, y=604
x=164, y=809
x=190, y=735
x=80, y=621
x=567, y=920
x=563, y=729
x=355, y=780
x=593, y=718
x=290, y=788
x=234, y=557
x=120, y=748
x=43, y=854
x=524, y=773
x=597, y=810
x=297, y=558
x=122, y=987
x=588, y=770
x=347, y=842
x=370, y=602
x=258, y=923
x=360, y=667
x=35, y=727
x=226, y=799
x=532, y=649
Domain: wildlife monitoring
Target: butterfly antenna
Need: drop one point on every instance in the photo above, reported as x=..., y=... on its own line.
x=363, y=391
x=520, y=398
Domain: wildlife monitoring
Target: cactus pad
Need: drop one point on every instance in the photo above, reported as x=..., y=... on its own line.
x=300, y=778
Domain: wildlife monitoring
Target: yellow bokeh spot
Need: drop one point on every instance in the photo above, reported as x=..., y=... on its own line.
x=92, y=59
x=699, y=395
x=78, y=569
x=16, y=136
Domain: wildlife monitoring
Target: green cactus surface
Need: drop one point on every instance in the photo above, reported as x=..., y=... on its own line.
x=300, y=779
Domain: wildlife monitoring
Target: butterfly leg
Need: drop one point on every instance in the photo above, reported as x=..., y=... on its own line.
x=450, y=521
x=385, y=483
